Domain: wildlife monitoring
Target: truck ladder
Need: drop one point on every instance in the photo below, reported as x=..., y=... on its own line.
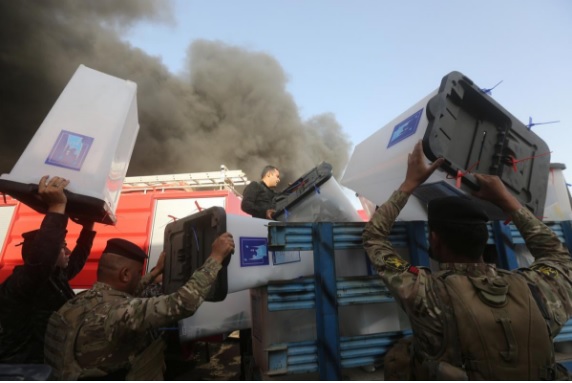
x=224, y=179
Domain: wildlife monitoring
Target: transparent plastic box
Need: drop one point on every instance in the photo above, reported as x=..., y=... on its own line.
x=88, y=138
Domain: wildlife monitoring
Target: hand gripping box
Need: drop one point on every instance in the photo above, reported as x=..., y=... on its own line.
x=88, y=138
x=472, y=132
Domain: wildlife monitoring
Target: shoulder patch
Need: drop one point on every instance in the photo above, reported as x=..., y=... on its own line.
x=546, y=270
x=413, y=270
x=393, y=262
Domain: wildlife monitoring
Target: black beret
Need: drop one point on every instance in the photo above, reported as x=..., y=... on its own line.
x=27, y=243
x=455, y=209
x=125, y=249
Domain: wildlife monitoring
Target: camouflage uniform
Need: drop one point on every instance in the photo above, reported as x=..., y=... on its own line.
x=417, y=290
x=109, y=333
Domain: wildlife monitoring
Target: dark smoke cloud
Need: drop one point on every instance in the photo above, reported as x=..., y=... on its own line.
x=229, y=107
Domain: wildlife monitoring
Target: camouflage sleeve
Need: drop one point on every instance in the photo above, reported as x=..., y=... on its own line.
x=411, y=286
x=550, y=275
x=144, y=282
x=376, y=232
x=142, y=314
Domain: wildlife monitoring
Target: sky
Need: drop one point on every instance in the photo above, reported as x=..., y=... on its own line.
x=367, y=61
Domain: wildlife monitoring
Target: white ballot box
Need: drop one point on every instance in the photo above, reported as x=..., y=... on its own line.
x=226, y=308
x=88, y=138
x=472, y=132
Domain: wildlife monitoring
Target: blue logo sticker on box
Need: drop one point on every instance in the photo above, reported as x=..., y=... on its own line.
x=405, y=128
x=70, y=150
x=253, y=251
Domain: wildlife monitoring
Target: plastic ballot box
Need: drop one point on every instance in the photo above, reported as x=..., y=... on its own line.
x=472, y=132
x=213, y=318
x=315, y=197
x=187, y=245
x=88, y=138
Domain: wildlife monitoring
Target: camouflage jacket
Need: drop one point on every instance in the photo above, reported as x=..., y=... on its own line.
x=117, y=327
x=550, y=275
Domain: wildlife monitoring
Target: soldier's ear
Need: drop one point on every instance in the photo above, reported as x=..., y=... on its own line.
x=434, y=240
x=124, y=274
x=432, y=236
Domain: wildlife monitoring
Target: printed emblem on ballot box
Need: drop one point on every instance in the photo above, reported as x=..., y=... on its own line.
x=405, y=128
x=70, y=150
x=253, y=251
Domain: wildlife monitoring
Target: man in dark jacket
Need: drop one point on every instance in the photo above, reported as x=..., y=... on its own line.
x=40, y=286
x=258, y=198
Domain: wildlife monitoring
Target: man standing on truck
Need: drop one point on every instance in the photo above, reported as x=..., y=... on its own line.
x=40, y=286
x=471, y=320
x=259, y=198
x=107, y=333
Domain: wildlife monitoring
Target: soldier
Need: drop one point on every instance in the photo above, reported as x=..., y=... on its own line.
x=40, y=286
x=107, y=333
x=259, y=198
x=471, y=320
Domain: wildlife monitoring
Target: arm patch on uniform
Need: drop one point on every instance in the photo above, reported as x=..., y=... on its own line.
x=413, y=270
x=393, y=262
x=546, y=270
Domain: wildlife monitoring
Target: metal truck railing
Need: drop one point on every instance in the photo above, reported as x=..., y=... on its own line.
x=330, y=352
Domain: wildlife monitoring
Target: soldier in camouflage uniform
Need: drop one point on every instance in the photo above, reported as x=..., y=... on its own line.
x=471, y=320
x=107, y=333
x=154, y=288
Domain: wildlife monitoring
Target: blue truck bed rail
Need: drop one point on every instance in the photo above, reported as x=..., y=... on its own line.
x=330, y=352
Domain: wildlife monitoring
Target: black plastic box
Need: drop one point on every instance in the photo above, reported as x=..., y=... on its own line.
x=475, y=133
x=315, y=197
x=188, y=243
x=77, y=206
x=302, y=187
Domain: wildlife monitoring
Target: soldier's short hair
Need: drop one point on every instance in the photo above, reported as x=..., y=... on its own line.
x=126, y=249
x=456, y=209
x=461, y=224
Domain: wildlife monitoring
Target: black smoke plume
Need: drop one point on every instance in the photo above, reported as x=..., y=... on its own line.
x=229, y=107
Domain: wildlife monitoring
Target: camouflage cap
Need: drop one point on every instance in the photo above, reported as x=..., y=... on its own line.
x=455, y=209
x=126, y=249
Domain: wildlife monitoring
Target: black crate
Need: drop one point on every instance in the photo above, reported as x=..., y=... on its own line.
x=474, y=133
x=188, y=243
x=301, y=188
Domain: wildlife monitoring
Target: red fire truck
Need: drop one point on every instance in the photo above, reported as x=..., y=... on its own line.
x=146, y=206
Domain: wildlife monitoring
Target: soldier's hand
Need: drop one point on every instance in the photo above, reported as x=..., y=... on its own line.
x=160, y=266
x=493, y=190
x=222, y=247
x=270, y=213
x=87, y=224
x=51, y=191
x=417, y=169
